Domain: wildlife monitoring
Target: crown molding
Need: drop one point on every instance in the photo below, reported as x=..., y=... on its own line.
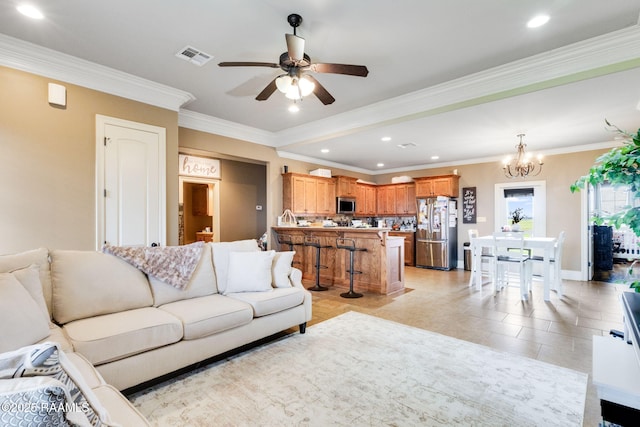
x=25, y=56
x=571, y=62
x=205, y=123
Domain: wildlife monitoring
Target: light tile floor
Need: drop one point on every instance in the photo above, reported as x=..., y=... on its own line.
x=558, y=331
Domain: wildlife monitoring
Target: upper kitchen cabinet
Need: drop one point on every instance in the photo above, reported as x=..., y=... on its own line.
x=386, y=200
x=365, y=200
x=308, y=194
x=346, y=187
x=405, y=199
x=443, y=185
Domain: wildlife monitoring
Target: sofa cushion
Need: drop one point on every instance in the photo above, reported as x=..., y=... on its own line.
x=272, y=301
x=281, y=269
x=209, y=315
x=249, y=272
x=114, y=336
x=220, y=253
x=30, y=278
x=23, y=322
x=39, y=257
x=87, y=284
x=202, y=282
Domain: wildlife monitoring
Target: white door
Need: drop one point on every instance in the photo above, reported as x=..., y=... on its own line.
x=130, y=183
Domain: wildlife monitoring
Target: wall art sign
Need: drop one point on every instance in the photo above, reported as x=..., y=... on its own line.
x=469, y=202
x=198, y=166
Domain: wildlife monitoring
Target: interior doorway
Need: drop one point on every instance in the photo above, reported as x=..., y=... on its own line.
x=199, y=210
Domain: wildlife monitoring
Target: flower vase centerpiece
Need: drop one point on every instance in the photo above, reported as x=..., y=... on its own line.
x=516, y=217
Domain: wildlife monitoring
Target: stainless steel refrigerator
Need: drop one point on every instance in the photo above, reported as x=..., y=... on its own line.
x=436, y=233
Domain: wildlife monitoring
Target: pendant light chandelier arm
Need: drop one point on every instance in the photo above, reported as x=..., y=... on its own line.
x=521, y=166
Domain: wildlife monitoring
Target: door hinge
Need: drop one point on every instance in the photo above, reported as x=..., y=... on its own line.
x=105, y=192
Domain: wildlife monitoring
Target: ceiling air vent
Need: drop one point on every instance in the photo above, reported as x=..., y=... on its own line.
x=407, y=145
x=193, y=55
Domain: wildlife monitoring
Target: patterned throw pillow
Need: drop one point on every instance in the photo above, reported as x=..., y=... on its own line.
x=47, y=360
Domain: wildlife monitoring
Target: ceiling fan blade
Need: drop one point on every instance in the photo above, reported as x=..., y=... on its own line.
x=323, y=95
x=248, y=64
x=267, y=91
x=295, y=47
x=351, y=70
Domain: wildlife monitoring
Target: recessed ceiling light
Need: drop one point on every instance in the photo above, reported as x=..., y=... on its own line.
x=324, y=150
x=435, y=157
x=538, y=21
x=385, y=138
x=294, y=108
x=30, y=11
x=380, y=165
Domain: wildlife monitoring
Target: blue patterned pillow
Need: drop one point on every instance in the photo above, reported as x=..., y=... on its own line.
x=47, y=360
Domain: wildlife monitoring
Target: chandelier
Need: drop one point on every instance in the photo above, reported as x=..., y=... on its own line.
x=521, y=166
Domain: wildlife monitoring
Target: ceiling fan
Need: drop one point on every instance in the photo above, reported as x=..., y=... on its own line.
x=296, y=82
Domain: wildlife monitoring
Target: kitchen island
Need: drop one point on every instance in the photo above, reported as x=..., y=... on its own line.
x=382, y=264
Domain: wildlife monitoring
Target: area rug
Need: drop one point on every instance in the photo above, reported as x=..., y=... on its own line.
x=359, y=370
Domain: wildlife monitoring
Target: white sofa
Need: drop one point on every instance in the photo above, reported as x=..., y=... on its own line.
x=119, y=328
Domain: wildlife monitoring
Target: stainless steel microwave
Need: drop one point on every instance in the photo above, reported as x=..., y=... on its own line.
x=345, y=205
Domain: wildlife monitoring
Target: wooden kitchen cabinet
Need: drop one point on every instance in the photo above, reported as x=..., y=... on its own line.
x=405, y=199
x=443, y=185
x=200, y=200
x=386, y=200
x=346, y=186
x=308, y=194
x=325, y=197
x=409, y=245
x=365, y=200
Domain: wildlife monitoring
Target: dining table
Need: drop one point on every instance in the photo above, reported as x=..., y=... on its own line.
x=544, y=244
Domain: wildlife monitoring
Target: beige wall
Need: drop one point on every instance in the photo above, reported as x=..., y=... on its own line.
x=47, y=162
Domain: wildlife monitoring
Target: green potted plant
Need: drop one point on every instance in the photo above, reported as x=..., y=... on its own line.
x=516, y=217
x=619, y=166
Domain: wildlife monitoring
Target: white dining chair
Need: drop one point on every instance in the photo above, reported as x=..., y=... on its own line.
x=556, y=264
x=486, y=259
x=509, y=250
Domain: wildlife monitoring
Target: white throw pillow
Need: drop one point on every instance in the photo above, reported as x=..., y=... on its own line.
x=220, y=252
x=20, y=316
x=249, y=272
x=281, y=269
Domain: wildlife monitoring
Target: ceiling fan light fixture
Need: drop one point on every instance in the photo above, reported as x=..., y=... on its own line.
x=306, y=86
x=283, y=83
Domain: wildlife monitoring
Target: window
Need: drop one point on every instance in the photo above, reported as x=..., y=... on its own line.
x=530, y=197
x=521, y=199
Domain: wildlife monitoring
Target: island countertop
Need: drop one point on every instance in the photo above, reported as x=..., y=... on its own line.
x=381, y=264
